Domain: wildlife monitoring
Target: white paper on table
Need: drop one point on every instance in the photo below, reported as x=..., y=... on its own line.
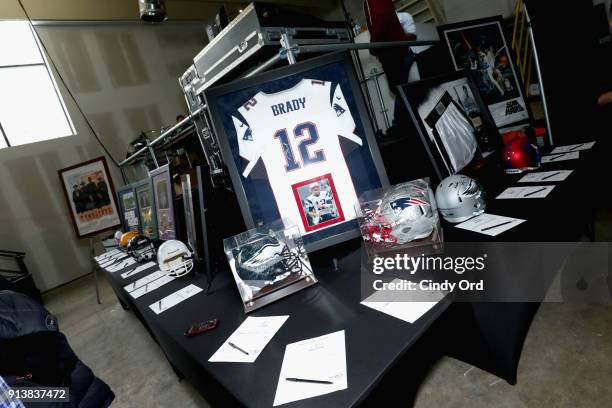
x=546, y=176
x=320, y=358
x=252, y=336
x=525, y=192
x=560, y=157
x=106, y=255
x=150, y=287
x=405, y=305
x=113, y=259
x=143, y=281
x=573, y=148
x=484, y=222
x=120, y=265
x=174, y=299
x=138, y=269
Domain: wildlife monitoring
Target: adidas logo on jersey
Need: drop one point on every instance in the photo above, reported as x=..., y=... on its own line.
x=289, y=106
x=513, y=107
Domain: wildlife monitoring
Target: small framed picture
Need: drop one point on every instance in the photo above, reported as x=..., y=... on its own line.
x=480, y=46
x=452, y=121
x=318, y=202
x=129, y=208
x=146, y=213
x=163, y=194
x=90, y=196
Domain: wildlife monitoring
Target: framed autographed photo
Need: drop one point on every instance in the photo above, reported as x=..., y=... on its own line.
x=129, y=208
x=146, y=213
x=481, y=47
x=90, y=196
x=163, y=196
x=190, y=224
x=299, y=145
x=452, y=120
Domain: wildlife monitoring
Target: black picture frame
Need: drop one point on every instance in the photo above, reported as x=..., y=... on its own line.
x=203, y=176
x=146, y=208
x=468, y=44
x=164, y=198
x=421, y=99
x=257, y=196
x=130, y=218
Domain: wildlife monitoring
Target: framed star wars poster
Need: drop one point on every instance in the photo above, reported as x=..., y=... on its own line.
x=129, y=209
x=452, y=121
x=299, y=145
x=481, y=47
x=163, y=194
x=90, y=196
x=146, y=212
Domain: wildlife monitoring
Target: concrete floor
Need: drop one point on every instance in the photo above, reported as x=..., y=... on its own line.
x=566, y=362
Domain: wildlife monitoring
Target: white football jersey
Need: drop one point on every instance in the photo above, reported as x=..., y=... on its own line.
x=296, y=133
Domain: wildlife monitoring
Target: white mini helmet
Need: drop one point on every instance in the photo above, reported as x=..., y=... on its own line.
x=459, y=198
x=174, y=258
x=117, y=236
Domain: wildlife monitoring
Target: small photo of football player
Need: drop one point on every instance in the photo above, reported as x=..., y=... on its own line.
x=319, y=205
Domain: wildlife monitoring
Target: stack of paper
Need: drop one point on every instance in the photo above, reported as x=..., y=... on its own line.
x=560, y=157
x=137, y=270
x=525, y=192
x=573, y=148
x=248, y=341
x=120, y=265
x=174, y=299
x=545, y=176
x=320, y=359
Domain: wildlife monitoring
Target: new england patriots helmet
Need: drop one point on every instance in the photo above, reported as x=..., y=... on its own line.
x=459, y=198
x=174, y=258
x=407, y=212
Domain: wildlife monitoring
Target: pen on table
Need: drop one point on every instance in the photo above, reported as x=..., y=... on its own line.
x=305, y=380
x=557, y=156
x=236, y=347
x=575, y=147
x=497, y=225
x=551, y=175
x=159, y=304
x=533, y=192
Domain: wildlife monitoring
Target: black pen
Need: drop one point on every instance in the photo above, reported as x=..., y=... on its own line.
x=495, y=226
x=575, y=147
x=556, y=157
x=551, y=175
x=533, y=192
x=305, y=380
x=236, y=347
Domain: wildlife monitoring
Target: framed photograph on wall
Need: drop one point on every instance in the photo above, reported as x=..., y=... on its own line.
x=481, y=47
x=90, y=195
x=452, y=120
x=299, y=145
x=146, y=210
x=163, y=196
x=129, y=208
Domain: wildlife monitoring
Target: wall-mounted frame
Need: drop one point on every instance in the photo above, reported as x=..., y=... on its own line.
x=129, y=208
x=451, y=119
x=481, y=47
x=146, y=209
x=164, y=198
x=287, y=133
x=90, y=196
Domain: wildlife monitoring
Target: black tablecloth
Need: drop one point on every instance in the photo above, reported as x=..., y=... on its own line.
x=489, y=335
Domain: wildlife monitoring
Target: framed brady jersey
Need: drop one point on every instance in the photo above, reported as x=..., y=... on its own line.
x=299, y=145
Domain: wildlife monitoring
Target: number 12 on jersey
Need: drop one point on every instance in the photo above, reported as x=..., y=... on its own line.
x=308, y=132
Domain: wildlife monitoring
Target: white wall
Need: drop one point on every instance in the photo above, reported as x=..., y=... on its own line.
x=125, y=78
x=461, y=10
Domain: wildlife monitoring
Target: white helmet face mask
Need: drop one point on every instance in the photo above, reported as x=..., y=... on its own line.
x=174, y=258
x=460, y=198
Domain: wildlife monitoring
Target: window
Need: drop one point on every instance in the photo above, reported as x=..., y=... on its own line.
x=31, y=106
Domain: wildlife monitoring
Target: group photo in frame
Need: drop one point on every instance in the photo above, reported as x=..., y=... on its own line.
x=90, y=196
x=480, y=46
x=283, y=131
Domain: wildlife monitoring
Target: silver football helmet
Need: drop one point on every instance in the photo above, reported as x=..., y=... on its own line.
x=174, y=258
x=459, y=198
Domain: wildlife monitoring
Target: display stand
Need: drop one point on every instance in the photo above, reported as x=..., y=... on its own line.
x=94, y=268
